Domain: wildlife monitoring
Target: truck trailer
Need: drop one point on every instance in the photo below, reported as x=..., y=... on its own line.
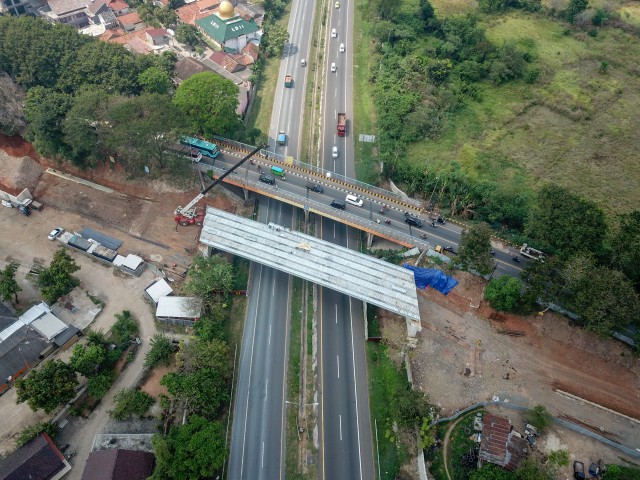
x=342, y=124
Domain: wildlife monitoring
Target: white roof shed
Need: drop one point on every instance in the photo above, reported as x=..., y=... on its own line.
x=179, y=307
x=158, y=289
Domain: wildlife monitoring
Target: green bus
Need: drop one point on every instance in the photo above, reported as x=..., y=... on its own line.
x=207, y=149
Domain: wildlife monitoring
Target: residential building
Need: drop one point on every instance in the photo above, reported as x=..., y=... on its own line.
x=39, y=459
x=159, y=288
x=157, y=36
x=118, y=464
x=500, y=444
x=191, y=12
x=179, y=310
x=20, y=7
x=227, y=29
x=67, y=12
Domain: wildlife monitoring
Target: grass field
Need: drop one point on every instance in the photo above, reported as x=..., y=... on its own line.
x=575, y=127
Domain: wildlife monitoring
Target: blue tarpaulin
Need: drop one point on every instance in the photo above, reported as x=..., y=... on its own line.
x=430, y=277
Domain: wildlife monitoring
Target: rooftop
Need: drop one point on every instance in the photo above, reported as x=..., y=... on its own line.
x=499, y=444
x=118, y=464
x=360, y=276
x=224, y=29
x=179, y=307
x=39, y=459
x=62, y=7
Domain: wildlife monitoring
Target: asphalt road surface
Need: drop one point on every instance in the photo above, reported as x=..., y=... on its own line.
x=258, y=434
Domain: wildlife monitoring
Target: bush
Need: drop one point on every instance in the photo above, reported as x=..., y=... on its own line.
x=33, y=431
x=125, y=328
x=539, y=417
x=503, y=293
x=130, y=402
x=159, y=352
x=99, y=385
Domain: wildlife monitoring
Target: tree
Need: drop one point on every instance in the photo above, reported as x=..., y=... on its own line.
x=193, y=450
x=490, y=471
x=45, y=110
x=48, y=387
x=154, y=80
x=530, y=469
x=201, y=384
x=539, y=417
x=159, y=352
x=12, y=121
x=475, y=247
x=33, y=431
x=9, y=287
x=141, y=130
x=620, y=472
x=503, y=293
x=166, y=16
x=574, y=8
x=57, y=280
x=188, y=34
x=566, y=223
x=98, y=385
x=130, y=402
x=88, y=359
x=210, y=102
x=211, y=325
x=210, y=278
x=126, y=327
x=625, y=246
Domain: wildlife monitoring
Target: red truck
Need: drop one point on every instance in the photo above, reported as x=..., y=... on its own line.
x=342, y=124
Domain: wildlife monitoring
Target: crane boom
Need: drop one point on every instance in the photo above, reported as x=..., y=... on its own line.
x=200, y=196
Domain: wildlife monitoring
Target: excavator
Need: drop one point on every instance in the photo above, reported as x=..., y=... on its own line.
x=189, y=215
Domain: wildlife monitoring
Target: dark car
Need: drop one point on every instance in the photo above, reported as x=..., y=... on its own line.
x=413, y=221
x=314, y=187
x=338, y=204
x=270, y=179
x=24, y=210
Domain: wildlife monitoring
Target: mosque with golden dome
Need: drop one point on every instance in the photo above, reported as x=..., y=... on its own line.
x=227, y=29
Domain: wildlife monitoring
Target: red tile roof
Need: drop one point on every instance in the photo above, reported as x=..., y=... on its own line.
x=252, y=50
x=194, y=11
x=499, y=444
x=118, y=464
x=157, y=32
x=129, y=19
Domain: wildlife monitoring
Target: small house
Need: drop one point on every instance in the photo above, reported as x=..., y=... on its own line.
x=500, y=444
x=158, y=289
x=39, y=459
x=179, y=310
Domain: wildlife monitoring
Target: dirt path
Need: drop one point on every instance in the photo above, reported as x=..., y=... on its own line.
x=445, y=446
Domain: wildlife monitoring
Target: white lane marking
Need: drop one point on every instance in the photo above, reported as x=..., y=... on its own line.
x=273, y=289
x=269, y=334
x=338, y=362
x=336, y=92
x=262, y=457
x=336, y=305
x=266, y=391
x=340, y=419
x=355, y=387
x=253, y=340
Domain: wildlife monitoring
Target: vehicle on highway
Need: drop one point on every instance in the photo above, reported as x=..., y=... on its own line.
x=529, y=252
x=314, y=187
x=333, y=68
x=303, y=62
x=342, y=124
x=282, y=138
x=354, y=200
x=277, y=171
x=206, y=148
x=338, y=204
x=270, y=179
x=448, y=248
x=55, y=233
x=334, y=152
x=342, y=48
x=334, y=33
x=288, y=81
x=413, y=221
x=337, y=4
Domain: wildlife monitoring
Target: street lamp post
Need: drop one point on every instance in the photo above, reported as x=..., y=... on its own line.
x=432, y=192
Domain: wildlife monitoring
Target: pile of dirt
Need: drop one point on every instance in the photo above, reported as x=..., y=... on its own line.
x=18, y=173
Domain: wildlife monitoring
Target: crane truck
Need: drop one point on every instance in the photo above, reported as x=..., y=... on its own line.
x=188, y=215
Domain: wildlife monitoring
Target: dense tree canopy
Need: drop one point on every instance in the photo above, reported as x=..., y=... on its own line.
x=210, y=278
x=475, y=247
x=48, y=387
x=503, y=293
x=87, y=359
x=210, y=102
x=625, y=246
x=130, y=402
x=9, y=287
x=58, y=279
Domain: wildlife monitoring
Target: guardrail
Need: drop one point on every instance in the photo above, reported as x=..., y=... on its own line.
x=350, y=183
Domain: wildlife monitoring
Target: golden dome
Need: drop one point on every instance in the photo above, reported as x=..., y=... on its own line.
x=225, y=10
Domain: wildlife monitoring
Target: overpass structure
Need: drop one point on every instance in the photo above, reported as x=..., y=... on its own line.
x=360, y=276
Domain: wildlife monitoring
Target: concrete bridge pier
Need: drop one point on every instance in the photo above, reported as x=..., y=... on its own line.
x=413, y=327
x=369, y=239
x=246, y=193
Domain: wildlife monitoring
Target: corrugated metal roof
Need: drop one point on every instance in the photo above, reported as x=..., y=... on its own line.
x=159, y=289
x=101, y=238
x=360, y=276
x=178, y=307
x=49, y=326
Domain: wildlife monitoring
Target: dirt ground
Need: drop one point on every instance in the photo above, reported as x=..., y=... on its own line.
x=468, y=353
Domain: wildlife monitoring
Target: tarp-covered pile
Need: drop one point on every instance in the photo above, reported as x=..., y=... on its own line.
x=430, y=277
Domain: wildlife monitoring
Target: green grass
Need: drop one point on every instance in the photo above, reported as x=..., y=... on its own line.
x=575, y=127
x=293, y=378
x=384, y=380
x=364, y=115
x=459, y=444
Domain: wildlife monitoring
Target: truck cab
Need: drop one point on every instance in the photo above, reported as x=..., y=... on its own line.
x=282, y=138
x=288, y=81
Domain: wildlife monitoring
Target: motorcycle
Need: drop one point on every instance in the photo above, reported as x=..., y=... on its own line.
x=433, y=224
x=384, y=209
x=423, y=236
x=387, y=221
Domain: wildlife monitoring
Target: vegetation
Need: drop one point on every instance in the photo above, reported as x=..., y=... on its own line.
x=125, y=328
x=33, y=431
x=48, y=387
x=475, y=249
x=130, y=402
x=159, y=352
x=210, y=278
x=190, y=451
x=57, y=280
x=9, y=287
x=619, y=472
x=539, y=418
x=503, y=293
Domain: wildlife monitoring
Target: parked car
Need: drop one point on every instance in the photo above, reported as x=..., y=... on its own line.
x=354, y=200
x=24, y=210
x=55, y=233
x=303, y=62
x=578, y=471
x=314, y=187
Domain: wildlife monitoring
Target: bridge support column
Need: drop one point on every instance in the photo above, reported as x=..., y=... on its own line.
x=306, y=215
x=413, y=327
x=246, y=194
x=369, y=239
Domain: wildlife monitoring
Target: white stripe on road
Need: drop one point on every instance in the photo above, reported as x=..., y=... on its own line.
x=338, y=361
x=340, y=419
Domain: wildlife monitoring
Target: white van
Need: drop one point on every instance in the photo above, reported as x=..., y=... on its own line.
x=354, y=200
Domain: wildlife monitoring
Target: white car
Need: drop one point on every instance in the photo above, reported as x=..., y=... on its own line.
x=303, y=62
x=334, y=34
x=55, y=233
x=337, y=4
x=342, y=48
x=333, y=68
x=354, y=200
x=334, y=152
